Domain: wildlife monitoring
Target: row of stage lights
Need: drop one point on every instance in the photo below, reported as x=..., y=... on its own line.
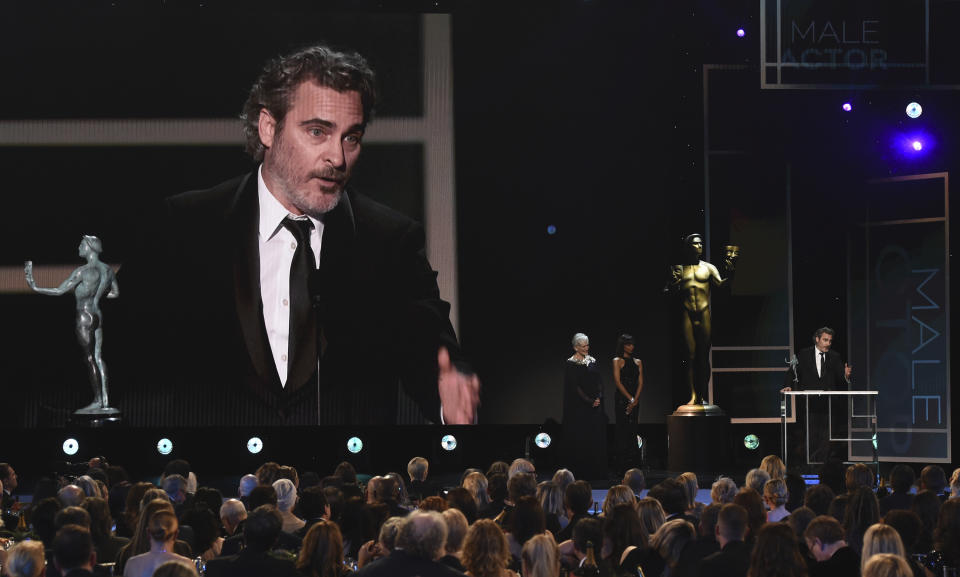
x=354, y=444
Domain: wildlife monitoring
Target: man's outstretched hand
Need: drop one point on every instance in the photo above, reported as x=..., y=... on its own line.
x=459, y=393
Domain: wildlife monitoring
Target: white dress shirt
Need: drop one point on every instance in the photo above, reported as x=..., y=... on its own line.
x=277, y=245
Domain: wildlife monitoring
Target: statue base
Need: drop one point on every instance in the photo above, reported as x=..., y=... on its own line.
x=97, y=411
x=698, y=441
x=698, y=410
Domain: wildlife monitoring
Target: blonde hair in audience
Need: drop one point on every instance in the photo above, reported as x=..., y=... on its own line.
x=651, y=515
x=618, y=495
x=773, y=466
x=485, y=550
x=540, y=557
x=887, y=565
x=476, y=483
x=881, y=538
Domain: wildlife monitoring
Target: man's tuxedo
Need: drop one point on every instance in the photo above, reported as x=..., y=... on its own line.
x=831, y=379
x=195, y=333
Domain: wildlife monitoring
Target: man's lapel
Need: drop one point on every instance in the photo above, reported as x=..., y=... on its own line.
x=242, y=223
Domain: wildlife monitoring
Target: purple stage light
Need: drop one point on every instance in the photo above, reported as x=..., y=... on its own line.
x=847, y=107
x=917, y=145
x=740, y=33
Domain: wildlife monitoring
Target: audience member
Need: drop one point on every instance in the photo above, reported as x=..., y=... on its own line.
x=946, y=537
x=756, y=479
x=551, y=500
x=818, y=498
x=776, y=554
x=476, y=483
x=756, y=515
x=635, y=479
x=670, y=540
x=723, y=491
x=174, y=569
x=73, y=553
x=773, y=466
x=71, y=496
x=775, y=496
x=286, y=499
x=140, y=542
x=497, y=492
x=933, y=478
x=672, y=494
x=232, y=514
x=652, y=516
x=901, y=480
x=540, y=557
x=420, y=542
x=926, y=504
x=862, y=512
x=624, y=539
x=618, y=495
x=260, y=532
x=106, y=544
x=825, y=540
x=798, y=521
x=25, y=559
x=162, y=531
x=887, y=565
x=322, y=552
x=486, y=552
x=796, y=490
x=955, y=484
x=520, y=466
x=881, y=538
x=460, y=498
x=528, y=520
x=206, y=540
x=457, y=527
x=691, y=487
x=733, y=558
x=577, y=500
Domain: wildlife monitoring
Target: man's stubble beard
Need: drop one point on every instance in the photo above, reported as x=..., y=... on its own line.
x=308, y=203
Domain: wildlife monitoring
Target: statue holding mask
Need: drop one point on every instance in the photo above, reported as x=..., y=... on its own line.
x=88, y=283
x=692, y=281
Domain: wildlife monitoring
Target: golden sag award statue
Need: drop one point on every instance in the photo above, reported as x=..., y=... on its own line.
x=691, y=282
x=88, y=283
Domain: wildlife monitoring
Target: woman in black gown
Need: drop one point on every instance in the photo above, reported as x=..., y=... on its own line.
x=584, y=421
x=628, y=380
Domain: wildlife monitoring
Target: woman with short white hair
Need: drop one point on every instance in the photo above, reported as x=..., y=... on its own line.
x=25, y=559
x=286, y=499
x=584, y=420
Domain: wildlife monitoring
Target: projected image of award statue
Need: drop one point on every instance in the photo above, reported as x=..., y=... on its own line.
x=89, y=283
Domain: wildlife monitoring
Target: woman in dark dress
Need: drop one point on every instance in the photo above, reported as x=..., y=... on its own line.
x=628, y=380
x=584, y=422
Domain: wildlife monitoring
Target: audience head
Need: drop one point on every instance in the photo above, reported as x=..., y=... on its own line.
x=521, y=484
x=723, y=491
x=955, y=484
x=267, y=473
x=902, y=478
x=313, y=503
x=346, y=472
x=286, y=494
x=578, y=497
x=551, y=498
x=72, y=516
x=881, y=538
x=753, y=503
x=799, y=519
x=232, y=512
x=476, y=483
x=690, y=486
x=25, y=559
x=652, y=516
x=101, y=522
x=618, y=495
x=498, y=468
x=671, y=538
x=776, y=552
x=174, y=569
x=621, y=529
x=796, y=490
x=672, y=494
x=177, y=467
x=418, y=468
x=933, y=478
x=424, y=534
x=262, y=495
x=858, y=475
x=71, y=496
x=708, y=521
x=163, y=526
x=946, y=537
x=773, y=466
x=435, y=503
x=775, y=493
x=247, y=483
x=821, y=534
x=73, y=549
x=588, y=531
x=887, y=565
x=562, y=478
x=153, y=494
x=908, y=526
x=388, y=532
x=262, y=528
x=87, y=485
x=485, y=550
x=460, y=498
x=528, y=519
x=497, y=487
x=322, y=552
x=732, y=523
x=539, y=557
x=635, y=479
x=520, y=466
x=175, y=486
x=862, y=512
x=818, y=498
x=457, y=526
x=756, y=479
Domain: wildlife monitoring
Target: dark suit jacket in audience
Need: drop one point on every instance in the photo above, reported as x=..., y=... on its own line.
x=844, y=563
x=250, y=564
x=895, y=500
x=731, y=561
x=400, y=564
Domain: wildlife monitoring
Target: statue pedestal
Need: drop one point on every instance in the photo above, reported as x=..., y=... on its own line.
x=698, y=440
x=95, y=420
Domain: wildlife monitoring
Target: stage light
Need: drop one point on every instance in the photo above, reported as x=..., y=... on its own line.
x=448, y=442
x=639, y=442
x=551, y=230
x=543, y=440
x=71, y=446
x=751, y=442
x=914, y=110
x=917, y=145
x=874, y=441
x=354, y=445
x=164, y=446
x=254, y=445
x=847, y=107
x=741, y=33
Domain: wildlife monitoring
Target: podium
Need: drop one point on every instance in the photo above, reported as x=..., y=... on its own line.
x=870, y=413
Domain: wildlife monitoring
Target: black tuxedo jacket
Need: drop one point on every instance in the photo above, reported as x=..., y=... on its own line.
x=832, y=378
x=250, y=564
x=731, y=561
x=399, y=564
x=194, y=326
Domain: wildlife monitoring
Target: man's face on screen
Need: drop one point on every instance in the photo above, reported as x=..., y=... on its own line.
x=310, y=158
x=823, y=342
